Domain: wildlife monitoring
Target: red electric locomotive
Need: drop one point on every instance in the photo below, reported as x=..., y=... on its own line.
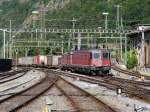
x=93, y=61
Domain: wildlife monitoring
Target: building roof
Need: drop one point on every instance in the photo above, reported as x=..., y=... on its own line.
x=141, y=28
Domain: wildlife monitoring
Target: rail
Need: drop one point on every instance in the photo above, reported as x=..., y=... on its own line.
x=132, y=73
x=127, y=88
x=82, y=100
x=27, y=95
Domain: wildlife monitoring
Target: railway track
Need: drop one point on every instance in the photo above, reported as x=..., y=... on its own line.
x=13, y=76
x=121, y=80
x=80, y=99
x=18, y=100
x=130, y=89
x=132, y=73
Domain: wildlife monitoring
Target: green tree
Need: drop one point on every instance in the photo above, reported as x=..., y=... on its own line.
x=132, y=59
x=34, y=52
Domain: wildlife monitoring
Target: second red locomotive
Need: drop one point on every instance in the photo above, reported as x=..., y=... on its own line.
x=95, y=61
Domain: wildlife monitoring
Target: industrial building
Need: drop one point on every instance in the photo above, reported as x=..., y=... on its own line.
x=140, y=40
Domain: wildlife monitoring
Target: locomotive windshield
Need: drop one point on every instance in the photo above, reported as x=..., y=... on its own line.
x=106, y=55
x=96, y=55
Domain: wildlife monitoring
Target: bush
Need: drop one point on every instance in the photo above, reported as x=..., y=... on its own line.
x=132, y=60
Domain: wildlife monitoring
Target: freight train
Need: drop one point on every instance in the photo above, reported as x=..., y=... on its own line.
x=39, y=60
x=96, y=62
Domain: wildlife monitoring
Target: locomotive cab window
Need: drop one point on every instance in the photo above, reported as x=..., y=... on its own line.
x=96, y=55
x=106, y=55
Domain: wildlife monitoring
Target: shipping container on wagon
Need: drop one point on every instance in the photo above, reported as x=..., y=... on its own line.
x=25, y=60
x=20, y=60
x=41, y=60
x=53, y=60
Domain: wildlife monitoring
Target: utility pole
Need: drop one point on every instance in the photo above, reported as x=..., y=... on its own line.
x=126, y=50
x=36, y=35
x=73, y=27
x=106, y=19
x=142, y=48
x=43, y=10
x=44, y=26
x=106, y=24
x=79, y=41
x=121, y=57
x=34, y=17
x=4, y=37
x=41, y=23
x=10, y=49
x=118, y=16
x=121, y=23
x=118, y=26
x=10, y=38
x=88, y=40
x=62, y=46
x=69, y=43
x=12, y=44
x=7, y=49
x=73, y=33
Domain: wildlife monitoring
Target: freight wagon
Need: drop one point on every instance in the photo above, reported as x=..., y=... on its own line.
x=41, y=60
x=54, y=60
x=26, y=60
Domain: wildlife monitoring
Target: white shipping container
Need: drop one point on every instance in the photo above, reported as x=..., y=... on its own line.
x=26, y=60
x=53, y=60
x=20, y=61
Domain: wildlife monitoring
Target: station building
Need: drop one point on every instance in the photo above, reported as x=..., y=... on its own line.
x=140, y=40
